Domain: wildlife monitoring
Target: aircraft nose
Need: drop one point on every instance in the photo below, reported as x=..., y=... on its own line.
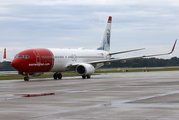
x=16, y=64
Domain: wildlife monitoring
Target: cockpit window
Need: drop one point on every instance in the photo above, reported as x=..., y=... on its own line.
x=22, y=56
x=26, y=56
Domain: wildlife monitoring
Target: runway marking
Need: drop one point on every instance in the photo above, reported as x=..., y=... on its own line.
x=36, y=95
x=10, y=97
x=144, y=98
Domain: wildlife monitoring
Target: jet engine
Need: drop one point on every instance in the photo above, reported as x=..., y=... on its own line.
x=85, y=69
x=35, y=74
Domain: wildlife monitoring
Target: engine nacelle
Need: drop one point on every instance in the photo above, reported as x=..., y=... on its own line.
x=35, y=74
x=85, y=69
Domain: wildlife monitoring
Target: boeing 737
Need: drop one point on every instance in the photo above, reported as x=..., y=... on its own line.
x=35, y=62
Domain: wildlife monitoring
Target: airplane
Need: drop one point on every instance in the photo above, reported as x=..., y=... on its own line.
x=4, y=57
x=35, y=62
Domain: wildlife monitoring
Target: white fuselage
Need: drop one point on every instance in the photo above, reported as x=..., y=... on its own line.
x=65, y=57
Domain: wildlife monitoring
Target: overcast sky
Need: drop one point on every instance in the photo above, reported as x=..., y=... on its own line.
x=150, y=24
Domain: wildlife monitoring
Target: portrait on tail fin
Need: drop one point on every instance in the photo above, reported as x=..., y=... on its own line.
x=105, y=42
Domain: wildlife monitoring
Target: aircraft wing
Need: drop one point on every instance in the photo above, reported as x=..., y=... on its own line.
x=164, y=53
x=113, y=53
x=110, y=60
x=122, y=59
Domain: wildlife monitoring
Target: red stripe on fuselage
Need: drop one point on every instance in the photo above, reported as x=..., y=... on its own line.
x=33, y=60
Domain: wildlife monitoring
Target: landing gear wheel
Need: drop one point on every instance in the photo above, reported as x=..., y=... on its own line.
x=88, y=76
x=26, y=78
x=83, y=76
x=55, y=76
x=59, y=75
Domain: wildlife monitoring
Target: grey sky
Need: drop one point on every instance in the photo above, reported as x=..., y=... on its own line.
x=150, y=24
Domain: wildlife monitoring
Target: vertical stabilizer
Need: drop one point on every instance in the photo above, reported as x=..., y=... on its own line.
x=4, y=56
x=105, y=42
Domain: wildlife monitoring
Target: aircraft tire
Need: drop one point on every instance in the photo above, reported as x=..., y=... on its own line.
x=88, y=76
x=59, y=75
x=26, y=78
x=55, y=76
x=83, y=76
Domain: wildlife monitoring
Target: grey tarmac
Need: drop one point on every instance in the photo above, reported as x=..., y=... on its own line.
x=111, y=96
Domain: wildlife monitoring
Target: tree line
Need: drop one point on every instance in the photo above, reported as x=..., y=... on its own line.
x=6, y=66
x=138, y=62
x=145, y=62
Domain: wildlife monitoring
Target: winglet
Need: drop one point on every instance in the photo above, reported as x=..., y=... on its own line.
x=173, y=47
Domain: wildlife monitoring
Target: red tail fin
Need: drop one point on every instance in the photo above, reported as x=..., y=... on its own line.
x=4, y=57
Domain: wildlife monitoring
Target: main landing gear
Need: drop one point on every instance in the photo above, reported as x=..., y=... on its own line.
x=57, y=76
x=86, y=76
x=26, y=78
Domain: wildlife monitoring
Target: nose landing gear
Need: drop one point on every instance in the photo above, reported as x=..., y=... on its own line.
x=26, y=78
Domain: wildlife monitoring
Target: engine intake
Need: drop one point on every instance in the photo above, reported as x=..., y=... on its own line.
x=85, y=69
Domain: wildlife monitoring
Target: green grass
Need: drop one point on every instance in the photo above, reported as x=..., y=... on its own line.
x=50, y=75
